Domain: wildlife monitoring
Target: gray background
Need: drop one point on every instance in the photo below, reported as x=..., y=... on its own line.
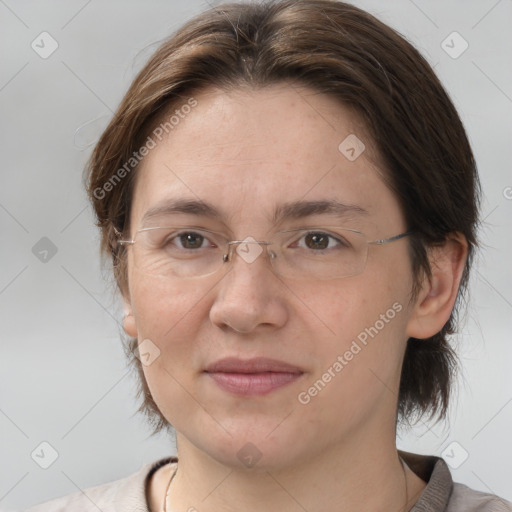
x=63, y=373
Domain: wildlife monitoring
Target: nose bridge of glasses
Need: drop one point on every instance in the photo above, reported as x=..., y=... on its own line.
x=248, y=249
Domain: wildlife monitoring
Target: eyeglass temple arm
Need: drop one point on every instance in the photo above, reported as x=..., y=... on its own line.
x=391, y=239
x=119, y=235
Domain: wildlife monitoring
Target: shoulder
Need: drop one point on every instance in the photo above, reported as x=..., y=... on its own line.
x=464, y=499
x=442, y=494
x=126, y=494
x=93, y=498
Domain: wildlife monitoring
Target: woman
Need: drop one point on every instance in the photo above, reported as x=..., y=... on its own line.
x=290, y=202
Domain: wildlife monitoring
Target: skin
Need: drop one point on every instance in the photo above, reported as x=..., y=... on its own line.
x=245, y=152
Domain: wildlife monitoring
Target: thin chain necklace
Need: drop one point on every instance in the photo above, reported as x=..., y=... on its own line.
x=405, y=509
x=166, y=498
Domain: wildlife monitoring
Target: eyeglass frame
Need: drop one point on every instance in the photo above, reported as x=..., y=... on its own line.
x=231, y=243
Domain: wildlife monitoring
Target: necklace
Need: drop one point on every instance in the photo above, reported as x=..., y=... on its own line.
x=406, y=489
x=166, y=499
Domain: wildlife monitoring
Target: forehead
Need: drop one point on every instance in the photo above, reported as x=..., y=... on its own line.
x=249, y=151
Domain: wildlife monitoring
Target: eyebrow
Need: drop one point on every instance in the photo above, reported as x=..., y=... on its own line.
x=290, y=210
x=301, y=209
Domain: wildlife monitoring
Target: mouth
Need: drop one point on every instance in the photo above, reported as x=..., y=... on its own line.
x=258, y=376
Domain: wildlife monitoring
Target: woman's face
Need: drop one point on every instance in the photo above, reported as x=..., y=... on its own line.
x=248, y=153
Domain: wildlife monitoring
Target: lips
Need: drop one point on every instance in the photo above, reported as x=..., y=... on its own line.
x=257, y=376
x=255, y=365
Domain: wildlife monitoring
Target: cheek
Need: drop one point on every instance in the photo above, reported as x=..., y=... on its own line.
x=368, y=327
x=364, y=320
x=169, y=321
x=175, y=318
x=359, y=366
x=344, y=308
x=159, y=307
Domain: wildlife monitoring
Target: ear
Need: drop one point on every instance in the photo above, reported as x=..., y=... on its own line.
x=436, y=299
x=129, y=325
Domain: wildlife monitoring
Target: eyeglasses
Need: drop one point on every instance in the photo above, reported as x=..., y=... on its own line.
x=326, y=252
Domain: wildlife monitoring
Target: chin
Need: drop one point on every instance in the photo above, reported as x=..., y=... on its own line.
x=258, y=452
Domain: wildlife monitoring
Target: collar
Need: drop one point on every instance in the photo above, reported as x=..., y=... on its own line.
x=435, y=472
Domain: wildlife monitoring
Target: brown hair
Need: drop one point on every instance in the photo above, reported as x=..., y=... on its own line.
x=335, y=49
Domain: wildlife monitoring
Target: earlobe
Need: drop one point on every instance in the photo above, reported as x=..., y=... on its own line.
x=436, y=299
x=129, y=324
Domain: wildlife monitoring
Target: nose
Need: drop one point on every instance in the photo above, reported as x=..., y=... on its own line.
x=249, y=296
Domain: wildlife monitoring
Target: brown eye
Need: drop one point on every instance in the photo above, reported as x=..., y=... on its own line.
x=321, y=241
x=317, y=240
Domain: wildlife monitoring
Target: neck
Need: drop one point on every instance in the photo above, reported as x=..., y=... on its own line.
x=362, y=474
